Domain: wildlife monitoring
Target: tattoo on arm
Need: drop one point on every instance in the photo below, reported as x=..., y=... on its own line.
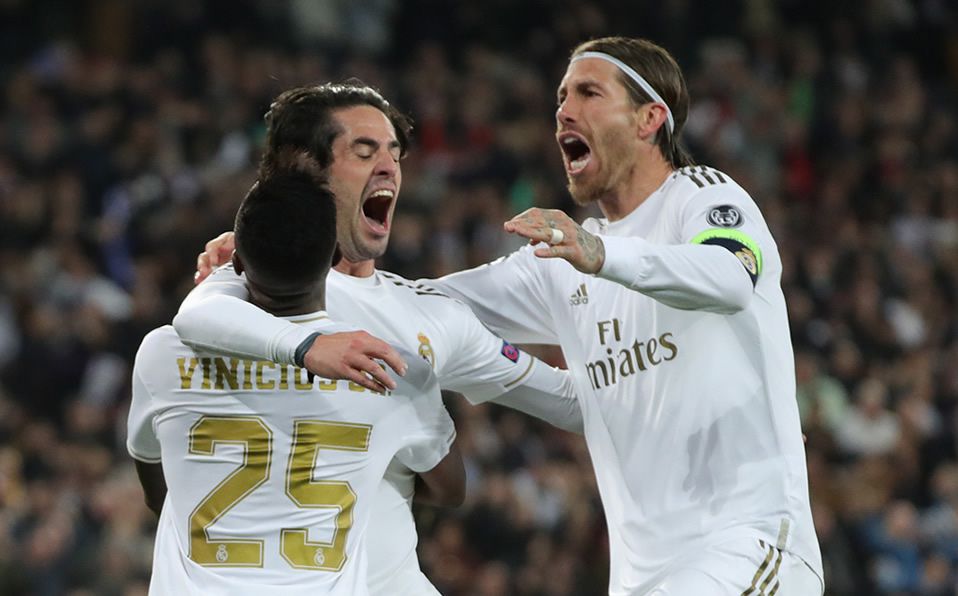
x=592, y=249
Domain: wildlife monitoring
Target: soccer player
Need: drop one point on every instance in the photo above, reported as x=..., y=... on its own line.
x=359, y=139
x=671, y=316
x=271, y=470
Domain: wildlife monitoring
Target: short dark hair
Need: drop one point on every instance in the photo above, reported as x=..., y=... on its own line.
x=286, y=230
x=300, y=121
x=659, y=68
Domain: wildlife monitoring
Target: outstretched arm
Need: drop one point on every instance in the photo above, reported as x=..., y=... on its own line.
x=692, y=276
x=215, y=317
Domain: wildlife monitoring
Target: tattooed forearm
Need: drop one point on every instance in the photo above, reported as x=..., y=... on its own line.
x=593, y=251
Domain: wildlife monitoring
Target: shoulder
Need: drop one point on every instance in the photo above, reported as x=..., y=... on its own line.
x=696, y=182
x=429, y=302
x=698, y=188
x=413, y=290
x=162, y=340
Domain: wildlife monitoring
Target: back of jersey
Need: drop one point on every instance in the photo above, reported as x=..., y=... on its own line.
x=270, y=471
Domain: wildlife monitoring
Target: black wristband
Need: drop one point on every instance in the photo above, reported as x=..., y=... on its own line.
x=300, y=354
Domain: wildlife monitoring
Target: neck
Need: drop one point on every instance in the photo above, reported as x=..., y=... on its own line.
x=289, y=305
x=646, y=177
x=356, y=269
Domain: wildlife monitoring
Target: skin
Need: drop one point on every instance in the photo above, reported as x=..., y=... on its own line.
x=595, y=107
x=365, y=160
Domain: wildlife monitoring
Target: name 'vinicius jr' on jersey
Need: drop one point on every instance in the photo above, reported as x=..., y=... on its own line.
x=235, y=374
x=623, y=359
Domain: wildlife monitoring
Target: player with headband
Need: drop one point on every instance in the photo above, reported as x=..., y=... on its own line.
x=673, y=323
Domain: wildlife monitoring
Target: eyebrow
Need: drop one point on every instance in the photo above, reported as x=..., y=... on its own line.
x=580, y=86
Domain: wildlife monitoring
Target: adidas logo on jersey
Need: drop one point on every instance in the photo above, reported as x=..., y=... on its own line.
x=580, y=296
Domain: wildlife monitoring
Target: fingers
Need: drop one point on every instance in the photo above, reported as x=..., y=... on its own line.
x=373, y=371
x=534, y=233
x=360, y=377
x=537, y=225
x=220, y=249
x=203, y=268
x=216, y=252
x=355, y=356
x=391, y=357
x=556, y=252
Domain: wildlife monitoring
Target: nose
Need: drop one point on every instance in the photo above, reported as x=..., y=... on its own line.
x=386, y=165
x=564, y=113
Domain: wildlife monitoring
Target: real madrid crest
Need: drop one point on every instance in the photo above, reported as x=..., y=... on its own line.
x=425, y=350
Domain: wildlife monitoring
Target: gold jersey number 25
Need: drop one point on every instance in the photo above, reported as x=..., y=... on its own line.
x=255, y=438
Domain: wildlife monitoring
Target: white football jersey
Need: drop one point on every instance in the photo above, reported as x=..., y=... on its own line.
x=465, y=356
x=690, y=415
x=271, y=471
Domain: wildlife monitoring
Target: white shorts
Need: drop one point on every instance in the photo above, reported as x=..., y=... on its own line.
x=747, y=567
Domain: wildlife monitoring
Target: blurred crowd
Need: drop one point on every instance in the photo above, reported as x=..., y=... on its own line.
x=130, y=131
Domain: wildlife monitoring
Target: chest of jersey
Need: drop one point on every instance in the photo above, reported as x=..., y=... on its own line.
x=393, y=310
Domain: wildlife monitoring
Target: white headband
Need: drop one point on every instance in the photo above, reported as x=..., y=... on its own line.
x=639, y=80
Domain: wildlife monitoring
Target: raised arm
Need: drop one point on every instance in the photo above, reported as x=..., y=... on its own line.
x=711, y=268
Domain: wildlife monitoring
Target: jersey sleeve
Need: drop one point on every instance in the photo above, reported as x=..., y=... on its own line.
x=715, y=263
x=141, y=440
x=479, y=364
x=431, y=432
x=508, y=296
x=207, y=322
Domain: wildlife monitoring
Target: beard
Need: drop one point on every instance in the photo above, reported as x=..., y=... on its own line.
x=585, y=194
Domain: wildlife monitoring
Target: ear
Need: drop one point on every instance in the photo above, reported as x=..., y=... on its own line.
x=237, y=262
x=650, y=118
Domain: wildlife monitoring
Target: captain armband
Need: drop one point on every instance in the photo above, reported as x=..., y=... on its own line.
x=745, y=249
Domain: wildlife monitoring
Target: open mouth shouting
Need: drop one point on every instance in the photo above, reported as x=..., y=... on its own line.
x=377, y=207
x=576, y=153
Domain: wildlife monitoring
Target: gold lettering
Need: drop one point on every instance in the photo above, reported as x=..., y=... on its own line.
x=247, y=374
x=626, y=367
x=668, y=345
x=186, y=372
x=260, y=384
x=301, y=379
x=327, y=385
x=284, y=377
x=224, y=373
x=355, y=387
x=207, y=364
x=650, y=348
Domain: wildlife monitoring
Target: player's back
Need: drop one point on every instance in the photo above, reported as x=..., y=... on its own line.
x=271, y=471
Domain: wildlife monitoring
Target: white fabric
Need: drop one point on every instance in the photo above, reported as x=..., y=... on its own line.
x=741, y=567
x=465, y=355
x=175, y=388
x=690, y=415
x=632, y=74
